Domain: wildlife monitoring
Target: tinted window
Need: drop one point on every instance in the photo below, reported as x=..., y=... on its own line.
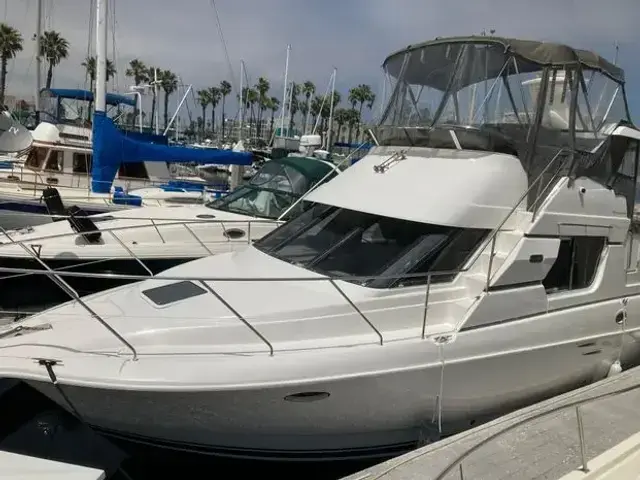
x=348, y=243
x=81, y=162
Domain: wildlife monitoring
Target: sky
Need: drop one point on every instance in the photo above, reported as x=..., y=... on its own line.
x=353, y=36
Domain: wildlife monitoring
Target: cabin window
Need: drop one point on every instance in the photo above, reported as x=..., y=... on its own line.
x=576, y=264
x=346, y=243
x=133, y=170
x=82, y=162
x=55, y=161
x=36, y=157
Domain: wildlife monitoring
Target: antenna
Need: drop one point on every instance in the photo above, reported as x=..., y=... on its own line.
x=615, y=58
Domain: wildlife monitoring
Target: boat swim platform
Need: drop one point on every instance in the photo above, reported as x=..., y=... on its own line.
x=597, y=425
x=14, y=466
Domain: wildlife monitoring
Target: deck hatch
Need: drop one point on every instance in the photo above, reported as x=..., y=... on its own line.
x=173, y=292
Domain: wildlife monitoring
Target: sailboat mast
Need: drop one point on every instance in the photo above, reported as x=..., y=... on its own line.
x=284, y=95
x=38, y=59
x=330, y=129
x=242, y=99
x=101, y=54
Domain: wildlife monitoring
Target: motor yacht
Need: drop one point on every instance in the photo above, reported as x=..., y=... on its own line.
x=482, y=256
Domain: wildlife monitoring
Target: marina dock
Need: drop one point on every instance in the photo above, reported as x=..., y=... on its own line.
x=14, y=466
x=552, y=440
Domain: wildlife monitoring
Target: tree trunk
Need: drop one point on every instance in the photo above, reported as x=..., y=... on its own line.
x=166, y=110
x=290, y=125
x=306, y=120
x=359, y=130
x=259, y=126
x=3, y=78
x=49, y=75
x=153, y=111
x=223, y=97
x=213, y=121
x=273, y=113
x=204, y=115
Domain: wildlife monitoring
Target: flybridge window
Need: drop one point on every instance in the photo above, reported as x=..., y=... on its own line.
x=487, y=86
x=347, y=243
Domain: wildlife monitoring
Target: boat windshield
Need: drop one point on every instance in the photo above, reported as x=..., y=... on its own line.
x=347, y=243
x=269, y=193
x=484, y=92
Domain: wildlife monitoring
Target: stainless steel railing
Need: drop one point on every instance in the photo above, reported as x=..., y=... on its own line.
x=58, y=274
x=457, y=465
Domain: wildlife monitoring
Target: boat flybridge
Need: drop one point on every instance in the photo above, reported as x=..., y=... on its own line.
x=148, y=240
x=500, y=267
x=61, y=156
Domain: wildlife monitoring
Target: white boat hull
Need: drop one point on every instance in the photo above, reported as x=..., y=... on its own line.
x=365, y=416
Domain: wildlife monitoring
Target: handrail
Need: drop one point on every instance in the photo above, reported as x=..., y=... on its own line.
x=575, y=404
x=162, y=276
x=135, y=227
x=73, y=294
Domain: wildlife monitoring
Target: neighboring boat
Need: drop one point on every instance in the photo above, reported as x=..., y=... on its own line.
x=62, y=156
x=481, y=257
x=151, y=239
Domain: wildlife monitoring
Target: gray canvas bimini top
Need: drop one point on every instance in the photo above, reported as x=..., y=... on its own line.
x=535, y=54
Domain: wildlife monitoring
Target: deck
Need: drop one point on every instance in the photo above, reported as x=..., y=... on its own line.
x=539, y=442
x=22, y=467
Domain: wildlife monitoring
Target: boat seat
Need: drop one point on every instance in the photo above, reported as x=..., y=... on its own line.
x=54, y=204
x=81, y=223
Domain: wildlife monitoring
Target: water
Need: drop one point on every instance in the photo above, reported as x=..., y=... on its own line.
x=33, y=425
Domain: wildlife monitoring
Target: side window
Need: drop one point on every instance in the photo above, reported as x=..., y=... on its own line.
x=450, y=258
x=36, y=157
x=576, y=264
x=82, y=162
x=54, y=162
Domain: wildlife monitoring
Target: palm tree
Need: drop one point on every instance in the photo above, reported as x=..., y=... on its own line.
x=308, y=89
x=10, y=45
x=225, y=89
x=262, y=87
x=325, y=111
x=251, y=97
x=353, y=119
x=203, y=100
x=169, y=84
x=90, y=66
x=341, y=117
x=53, y=48
x=139, y=72
x=294, y=106
x=274, y=105
x=214, y=98
x=314, y=109
x=360, y=95
x=151, y=75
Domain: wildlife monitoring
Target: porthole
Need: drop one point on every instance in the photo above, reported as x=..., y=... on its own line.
x=205, y=216
x=307, y=396
x=234, y=233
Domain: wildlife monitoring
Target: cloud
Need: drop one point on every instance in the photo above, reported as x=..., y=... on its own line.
x=352, y=35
